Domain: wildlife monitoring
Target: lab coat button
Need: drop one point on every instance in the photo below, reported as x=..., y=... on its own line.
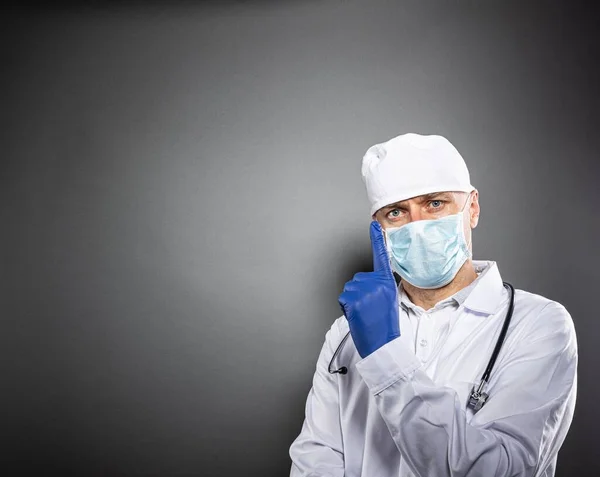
x=423, y=343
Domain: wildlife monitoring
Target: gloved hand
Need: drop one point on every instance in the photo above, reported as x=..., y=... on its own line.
x=370, y=301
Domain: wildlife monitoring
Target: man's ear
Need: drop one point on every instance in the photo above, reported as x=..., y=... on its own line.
x=474, y=209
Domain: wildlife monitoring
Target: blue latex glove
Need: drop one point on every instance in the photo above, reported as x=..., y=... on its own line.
x=370, y=301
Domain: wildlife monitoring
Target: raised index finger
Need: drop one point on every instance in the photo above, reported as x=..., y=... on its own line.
x=381, y=261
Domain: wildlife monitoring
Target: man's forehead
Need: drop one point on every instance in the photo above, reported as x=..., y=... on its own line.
x=448, y=195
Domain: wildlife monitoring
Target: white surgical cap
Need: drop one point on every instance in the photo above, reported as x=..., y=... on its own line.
x=410, y=165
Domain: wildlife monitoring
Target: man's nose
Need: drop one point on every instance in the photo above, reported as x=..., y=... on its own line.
x=415, y=213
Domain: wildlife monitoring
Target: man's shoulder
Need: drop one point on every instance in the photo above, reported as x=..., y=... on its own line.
x=541, y=316
x=338, y=328
x=536, y=303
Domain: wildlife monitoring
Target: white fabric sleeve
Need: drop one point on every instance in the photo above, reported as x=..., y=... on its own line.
x=318, y=450
x=517, y=432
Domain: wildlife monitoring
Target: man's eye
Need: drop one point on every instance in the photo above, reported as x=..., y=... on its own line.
x=436, y=204
x=394, y=213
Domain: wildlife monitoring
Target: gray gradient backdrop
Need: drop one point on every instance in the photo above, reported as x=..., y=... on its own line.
x=181, y=204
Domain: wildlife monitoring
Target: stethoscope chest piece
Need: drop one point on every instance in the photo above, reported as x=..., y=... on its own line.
x=477, y=398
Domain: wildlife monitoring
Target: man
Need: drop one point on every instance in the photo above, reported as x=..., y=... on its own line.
x=394, y=400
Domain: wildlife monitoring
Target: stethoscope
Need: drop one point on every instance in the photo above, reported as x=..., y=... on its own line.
x=477, y=398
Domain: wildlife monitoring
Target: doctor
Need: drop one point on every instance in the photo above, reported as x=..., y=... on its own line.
x=418, y=349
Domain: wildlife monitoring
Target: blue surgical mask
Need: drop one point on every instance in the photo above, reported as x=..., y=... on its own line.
x=428, y=253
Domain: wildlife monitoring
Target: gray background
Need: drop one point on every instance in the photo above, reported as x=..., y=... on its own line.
x=181, y=204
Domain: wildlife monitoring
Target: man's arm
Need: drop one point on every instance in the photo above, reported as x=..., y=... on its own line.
x=318, y=450
x=518, y=431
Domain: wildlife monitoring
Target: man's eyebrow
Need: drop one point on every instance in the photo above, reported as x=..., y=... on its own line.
x=435, y=195
x=424, y=198
x=394, y=205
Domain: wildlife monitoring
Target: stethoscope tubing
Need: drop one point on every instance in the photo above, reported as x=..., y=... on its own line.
x=488, y=370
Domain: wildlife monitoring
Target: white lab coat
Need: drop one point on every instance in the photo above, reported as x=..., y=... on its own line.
x=402, y=411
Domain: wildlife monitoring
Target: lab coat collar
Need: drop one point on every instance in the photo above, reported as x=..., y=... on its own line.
x=487, y=294
x=482, y=296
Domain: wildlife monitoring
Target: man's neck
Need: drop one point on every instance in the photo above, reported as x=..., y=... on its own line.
x=427, y=299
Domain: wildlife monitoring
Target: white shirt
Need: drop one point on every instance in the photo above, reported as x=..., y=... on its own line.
x=402, y=410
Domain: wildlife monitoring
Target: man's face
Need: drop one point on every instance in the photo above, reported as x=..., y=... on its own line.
x=430, y=207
